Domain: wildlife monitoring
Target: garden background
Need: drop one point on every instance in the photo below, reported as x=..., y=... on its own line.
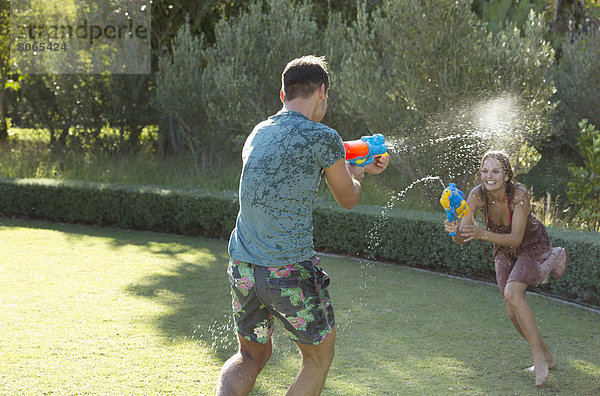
x=444, y=81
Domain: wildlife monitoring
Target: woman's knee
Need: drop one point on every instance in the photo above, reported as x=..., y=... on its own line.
x=514, y=294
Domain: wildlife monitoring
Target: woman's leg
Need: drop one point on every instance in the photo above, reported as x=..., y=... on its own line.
x=514, y=295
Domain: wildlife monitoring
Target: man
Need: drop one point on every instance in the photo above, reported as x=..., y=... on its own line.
x=273, y=270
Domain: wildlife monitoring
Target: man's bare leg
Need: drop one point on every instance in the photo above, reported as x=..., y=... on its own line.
x=514, y=295
x=316, y=360
x=239, y=373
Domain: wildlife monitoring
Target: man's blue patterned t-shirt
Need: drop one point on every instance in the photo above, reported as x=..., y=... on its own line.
x=282, y=162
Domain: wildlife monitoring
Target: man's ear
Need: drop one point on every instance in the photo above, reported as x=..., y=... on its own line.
x=322, y=92
x=282, y=96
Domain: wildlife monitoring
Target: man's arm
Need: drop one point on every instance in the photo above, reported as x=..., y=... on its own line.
x=344, y=182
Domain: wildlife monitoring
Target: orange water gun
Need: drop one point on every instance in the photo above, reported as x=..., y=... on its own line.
x=364, y=151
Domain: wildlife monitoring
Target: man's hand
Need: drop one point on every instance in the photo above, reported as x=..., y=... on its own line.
x=357, y=172
x=379, y=165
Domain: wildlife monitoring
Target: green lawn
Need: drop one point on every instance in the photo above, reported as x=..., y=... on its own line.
x=87, y=310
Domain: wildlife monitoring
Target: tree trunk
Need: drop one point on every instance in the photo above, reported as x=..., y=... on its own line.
x=3, y=125
x=3, y=130
x=134, y=136
x=62, y=139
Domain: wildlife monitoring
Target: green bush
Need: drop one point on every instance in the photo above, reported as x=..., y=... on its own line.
x=577, y=85
x=179, y=92
x=191, y=212
x=428, y=74
x=584, y=187
x=408, y=237
x=243, y=70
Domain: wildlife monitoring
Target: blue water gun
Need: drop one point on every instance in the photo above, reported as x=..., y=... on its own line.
x=364, y=151
x=453, y=201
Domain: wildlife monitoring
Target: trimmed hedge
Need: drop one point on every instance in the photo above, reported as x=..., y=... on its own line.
x=190, y=212
x=409, y=237
x=418, y=239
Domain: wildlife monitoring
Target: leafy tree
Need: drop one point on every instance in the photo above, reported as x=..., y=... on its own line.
x=242, y=76
x=570, y=18
x=127, y=106
x=578, y=83
x=498, y=14
x=584, y=187
x=4, y=66
x=43, y=106
x=427, y=74
x=60, y=102
x=179, y=92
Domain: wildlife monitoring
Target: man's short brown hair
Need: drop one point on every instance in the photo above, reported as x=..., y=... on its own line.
x=302, y=76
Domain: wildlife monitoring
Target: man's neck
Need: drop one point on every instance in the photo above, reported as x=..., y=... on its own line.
x=301, y=106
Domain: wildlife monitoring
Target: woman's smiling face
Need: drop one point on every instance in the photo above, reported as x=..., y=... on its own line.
x=492, y=175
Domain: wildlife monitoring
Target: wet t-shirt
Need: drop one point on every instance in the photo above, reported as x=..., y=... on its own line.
x=282, y=162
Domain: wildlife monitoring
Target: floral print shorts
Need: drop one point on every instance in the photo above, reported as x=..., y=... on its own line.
x=296, y=294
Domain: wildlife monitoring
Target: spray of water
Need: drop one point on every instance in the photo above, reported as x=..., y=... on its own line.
x=374, y=235
x=453, y=142
x=469, y=128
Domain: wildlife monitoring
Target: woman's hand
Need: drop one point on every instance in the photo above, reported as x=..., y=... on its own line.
x=473, y=231
x=451, y=226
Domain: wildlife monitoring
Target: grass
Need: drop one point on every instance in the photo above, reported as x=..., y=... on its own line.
x=88, y=310
x=27, y=155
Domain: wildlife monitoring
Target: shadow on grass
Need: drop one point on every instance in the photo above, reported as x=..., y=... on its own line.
x=191, y=286
x=197, y=302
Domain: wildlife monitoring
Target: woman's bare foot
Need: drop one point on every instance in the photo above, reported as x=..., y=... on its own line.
x=531, y=369
x=551, y=362
x=541, y=373
x=561, y=264
x=549, y=359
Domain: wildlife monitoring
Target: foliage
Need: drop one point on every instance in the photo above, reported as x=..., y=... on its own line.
x=92, y=102
x=570, y=19
x=243, y=70
x=411, y=237
x=584, y=189
x=578, y=83
x=548, y=210
x=566, y=20
x=4, y=67
x=127, y=106
x=179, y=93
x=498, y=13
x=126, y=206
x=45, y=98
x=414, y=70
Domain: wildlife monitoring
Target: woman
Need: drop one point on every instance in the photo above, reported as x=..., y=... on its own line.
x=522, y=251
